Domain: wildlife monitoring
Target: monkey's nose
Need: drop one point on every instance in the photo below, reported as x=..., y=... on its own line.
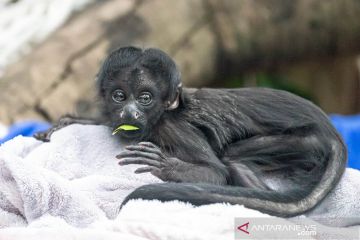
x=129, y=112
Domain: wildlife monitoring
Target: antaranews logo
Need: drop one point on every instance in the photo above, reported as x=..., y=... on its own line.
x=279, y=228
x=244, y=227
x=272, y=228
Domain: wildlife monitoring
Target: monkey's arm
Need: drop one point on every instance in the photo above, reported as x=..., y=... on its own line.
x=170, y=169
x=63, y=122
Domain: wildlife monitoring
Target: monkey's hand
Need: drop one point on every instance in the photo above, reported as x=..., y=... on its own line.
x=63, y=122
x=158, y=164
x=46, y=135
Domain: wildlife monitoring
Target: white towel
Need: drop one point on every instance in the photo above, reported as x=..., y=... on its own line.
x=72, y=187
x=75, y=177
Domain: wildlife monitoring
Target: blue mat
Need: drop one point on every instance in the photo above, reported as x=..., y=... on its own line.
x=27, y=128
x=348, y=126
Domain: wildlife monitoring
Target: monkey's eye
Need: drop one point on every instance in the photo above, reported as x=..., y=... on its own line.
x=118, y=96
x=144, y=99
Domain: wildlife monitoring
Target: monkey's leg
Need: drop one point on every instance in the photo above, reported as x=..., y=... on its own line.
x=63, y=122
x=284, y=151
x=298, y=159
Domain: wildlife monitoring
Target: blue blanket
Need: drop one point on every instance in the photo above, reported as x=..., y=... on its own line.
x=26, y=128
x=349, y=128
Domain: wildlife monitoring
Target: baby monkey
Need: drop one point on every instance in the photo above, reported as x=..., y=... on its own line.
x=216, y=145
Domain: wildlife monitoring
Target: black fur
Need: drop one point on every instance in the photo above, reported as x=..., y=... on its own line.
x=266, y=149
x=230, y=144
x=272, y=133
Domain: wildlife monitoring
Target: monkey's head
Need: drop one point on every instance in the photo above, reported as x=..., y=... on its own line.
x=136, y=87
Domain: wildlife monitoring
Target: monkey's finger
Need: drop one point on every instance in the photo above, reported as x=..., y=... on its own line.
x=139, y=160
x=135, y=153
x=44, y=136
x=144, y=149
x=41, y=137
x=144, y=169
x=148, y=144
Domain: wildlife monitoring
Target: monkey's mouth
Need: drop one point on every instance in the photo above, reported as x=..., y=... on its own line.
x=125, y=127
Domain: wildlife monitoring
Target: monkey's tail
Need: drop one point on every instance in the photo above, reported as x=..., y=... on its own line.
x=284, y=204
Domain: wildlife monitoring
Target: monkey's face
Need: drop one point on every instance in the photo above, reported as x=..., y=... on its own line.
x=135, y=100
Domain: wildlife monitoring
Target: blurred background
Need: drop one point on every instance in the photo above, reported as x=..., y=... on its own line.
x=51, y=50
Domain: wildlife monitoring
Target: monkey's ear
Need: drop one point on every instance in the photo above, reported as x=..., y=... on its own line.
x=175, y=104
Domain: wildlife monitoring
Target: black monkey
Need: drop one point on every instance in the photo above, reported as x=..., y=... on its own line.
x=266, y=149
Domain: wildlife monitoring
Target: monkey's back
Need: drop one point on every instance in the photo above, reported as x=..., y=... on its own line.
x=228, y=115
